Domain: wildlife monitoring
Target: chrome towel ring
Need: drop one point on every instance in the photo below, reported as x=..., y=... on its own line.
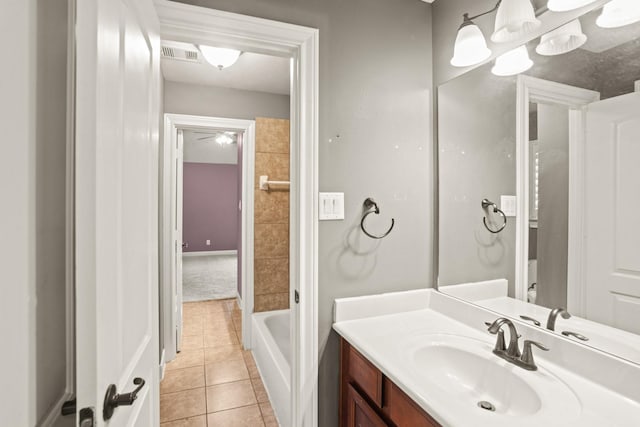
x=485, y=204
x=372, y=207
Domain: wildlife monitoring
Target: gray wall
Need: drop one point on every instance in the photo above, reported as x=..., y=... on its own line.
x=477, y=160
x=183, y=98
x=375, y=92
x=32, y=177
x=50, y=204
x=447, y=17
x=553, y=210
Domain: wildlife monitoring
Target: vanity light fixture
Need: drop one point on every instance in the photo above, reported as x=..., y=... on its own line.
x=470, y=47
x=513, y=62
x=618, y=13
x=220, y=57
x=566, y=5
x=515, y=19
x=562, y=40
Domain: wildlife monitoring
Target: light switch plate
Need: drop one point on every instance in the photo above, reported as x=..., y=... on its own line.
x=508, y=205
x=331, y=206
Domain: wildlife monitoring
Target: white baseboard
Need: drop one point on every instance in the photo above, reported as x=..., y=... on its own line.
x=209, y=253
x=163, y=365
x=239, y=299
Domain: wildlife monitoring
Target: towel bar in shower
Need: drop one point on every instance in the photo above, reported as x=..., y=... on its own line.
x=265, y=184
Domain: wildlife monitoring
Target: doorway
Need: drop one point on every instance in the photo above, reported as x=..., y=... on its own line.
x=199, y=25
x=211, y=230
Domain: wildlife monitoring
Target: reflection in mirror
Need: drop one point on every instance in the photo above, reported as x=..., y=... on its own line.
x=564, y=137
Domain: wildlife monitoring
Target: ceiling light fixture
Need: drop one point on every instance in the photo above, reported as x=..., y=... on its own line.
x=220, y=57
x=566, y=5
x=224, y=139
x=618, y=13
x=562, y=40
x=514, y=62
x=515, y=19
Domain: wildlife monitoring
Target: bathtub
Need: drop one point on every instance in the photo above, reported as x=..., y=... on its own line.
x=271, y=346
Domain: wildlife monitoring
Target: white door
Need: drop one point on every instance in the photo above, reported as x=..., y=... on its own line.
x=612, y=187
x=116, y=180
x=178, y=243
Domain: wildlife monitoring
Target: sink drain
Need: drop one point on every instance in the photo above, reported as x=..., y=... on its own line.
x=487, y=406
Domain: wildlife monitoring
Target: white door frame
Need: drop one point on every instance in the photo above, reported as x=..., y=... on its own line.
x=193, y=24
x=172, y=123
x=531, y=89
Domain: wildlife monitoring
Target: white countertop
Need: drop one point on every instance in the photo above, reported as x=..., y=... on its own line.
x=384, y=340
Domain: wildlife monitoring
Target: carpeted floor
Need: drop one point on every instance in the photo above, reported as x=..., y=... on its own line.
x=209, y=277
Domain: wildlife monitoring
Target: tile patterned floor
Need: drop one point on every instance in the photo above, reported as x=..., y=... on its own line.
x=213, y=382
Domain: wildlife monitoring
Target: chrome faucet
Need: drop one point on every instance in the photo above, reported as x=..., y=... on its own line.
x=551, y=320
x=496, y=328
x=512, y=353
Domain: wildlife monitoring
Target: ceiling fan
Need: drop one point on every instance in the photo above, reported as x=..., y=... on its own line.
x=222, y=138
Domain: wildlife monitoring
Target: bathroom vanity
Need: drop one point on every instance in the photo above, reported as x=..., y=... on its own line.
x=368, y=398
x=423, y=358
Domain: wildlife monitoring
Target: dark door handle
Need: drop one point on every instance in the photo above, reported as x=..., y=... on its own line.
x=112, y=399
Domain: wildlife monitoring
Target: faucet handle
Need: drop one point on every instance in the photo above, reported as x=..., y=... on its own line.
x=527, y=354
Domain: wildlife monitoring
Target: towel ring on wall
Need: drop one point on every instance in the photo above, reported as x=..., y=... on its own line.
x=372, y=207
x=485, y=204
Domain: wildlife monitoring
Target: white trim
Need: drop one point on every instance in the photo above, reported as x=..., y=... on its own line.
x=163, y=364
x=70, y=205
x=531, y=89
x=209, y=253
x=194, y=24
x=636, y=86
x=172, y=123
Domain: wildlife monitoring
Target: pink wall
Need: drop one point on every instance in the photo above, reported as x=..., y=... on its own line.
x=210, y=206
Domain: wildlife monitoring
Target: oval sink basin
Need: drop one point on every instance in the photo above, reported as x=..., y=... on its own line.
x=463, y=373
x=470, y=377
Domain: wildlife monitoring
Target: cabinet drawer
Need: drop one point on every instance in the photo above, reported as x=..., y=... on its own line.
x=403, y=411
x=365, y=375
x=359, y=413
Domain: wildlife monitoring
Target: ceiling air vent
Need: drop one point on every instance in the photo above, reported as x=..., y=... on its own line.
x=167, y=52
x=180, y=51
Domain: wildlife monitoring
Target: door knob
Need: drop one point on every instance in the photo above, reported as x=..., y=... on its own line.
x=112, y=399
x=185, y=245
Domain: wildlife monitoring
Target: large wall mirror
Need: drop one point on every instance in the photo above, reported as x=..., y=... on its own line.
x=539, y=185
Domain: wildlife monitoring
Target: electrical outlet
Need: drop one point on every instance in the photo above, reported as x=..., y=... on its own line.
x=208, y=242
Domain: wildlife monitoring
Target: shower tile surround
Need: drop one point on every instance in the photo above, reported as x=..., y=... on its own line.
x=271, y=217
x=213, y=381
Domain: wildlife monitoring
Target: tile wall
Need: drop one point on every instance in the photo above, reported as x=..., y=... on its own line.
x=271, y=218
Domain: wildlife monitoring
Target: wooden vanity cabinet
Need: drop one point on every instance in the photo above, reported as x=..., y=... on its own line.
x=369, y=399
